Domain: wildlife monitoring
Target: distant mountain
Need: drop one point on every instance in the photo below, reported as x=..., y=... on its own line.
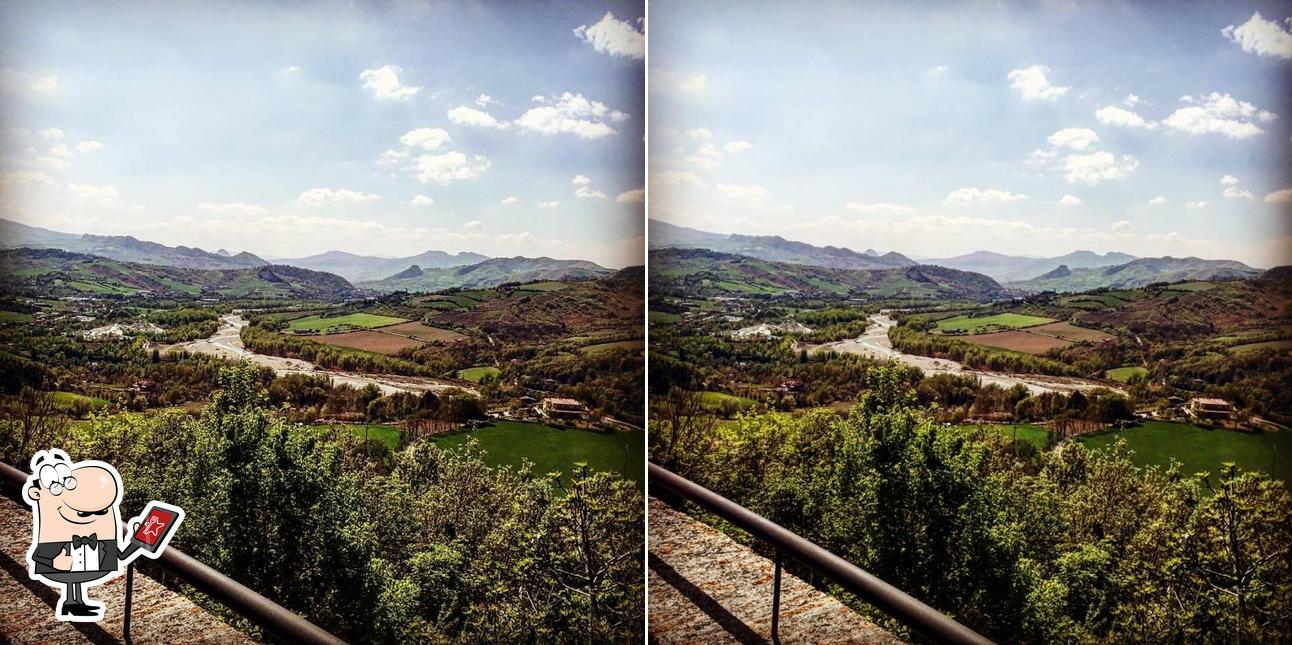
x=63, y=273
x=772, y=247
x=1136, y=273
x=701, y=272
x=359, y=268
x=489, y=273
x=1008, y=268
x=121, y=247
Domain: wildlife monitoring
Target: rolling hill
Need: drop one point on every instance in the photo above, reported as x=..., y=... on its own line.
x=53, y=272
x=1136, y=273
x=701, y=272
x=359, y=268
x=772, y=247
x=489, y=273
x=123, y=248
x=1011, y=268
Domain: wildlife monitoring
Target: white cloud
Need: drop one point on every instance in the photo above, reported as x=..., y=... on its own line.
x=1262, y=37
x=614, y=37
x=384, y=84
x=421, y=200
x=474, y=226
x=463, y=115
x=1032, y=83
x=967, y=196
x=1070, y=200
x=425, y=138
x=735, y=147
x=1075, y=138
x=551, y=204
x=321, y=196
x=509, y=200
x=52, y=133
x=675, y=177
x=580, y=180
x=750, y=192
x=104, y=194
x=1157, y=200
x=54, y=162
x=688, y=83
x=26, y=177
x=572, y=114
x=1283, y=196
x=19, y=82
x=1096, y=167
x=708, y=150
x=60, y=150
x=232, y=208
x=88, y=146
x=1219, y=114
x=484, y=101
x=391, y=159
x=583, y=188
x=634, y=196
x=449, y=167
x=1113, y=115
x=1198, y=204
x=1123, y=227
x=700, y=133
x=879, y=209
x=1131, y=100
x=700, y=161
x=289, y=71
x=1232, y=191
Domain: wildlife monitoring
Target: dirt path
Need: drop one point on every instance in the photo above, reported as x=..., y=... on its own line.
x=874, y=342
x=227, y=342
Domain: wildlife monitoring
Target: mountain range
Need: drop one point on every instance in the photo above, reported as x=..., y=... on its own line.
x=773, y=248
x=122, y=247
x=488, y=273
x=1013, y=268
x=1136, y=273
x=359, y=268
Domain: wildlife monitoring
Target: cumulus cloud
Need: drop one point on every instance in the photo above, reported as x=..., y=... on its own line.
x=26, y=177
x=1075, y=138
x=1033, y=84
x=551, y=204
x=1197, y=204
x=879, y=208
x=1157, y=200
x=735, y=147
x=424, y=138
x=708, y=150
x=1219, y=114
x=232, y=208
x=572, y=114
x=634, y=196
x=52, y=133
x=1096, y=167
x=421, y=200
x=88, y=146
x=385, y=85
x=322, y=196
x=1232, y=191
x=104, y=194
x=19, y=82
x=614, y=37
x=675, y=177
x=1113, y=115
x=583, y=188
x=1070, y=200
x=700, y=133
x=508, y=200
x=474, y=226
x=1131, y=100
x=449, y=167
x=1262, y=37
x=60, y=150
x=1123, y=227
x=967, y=196
x=1283, y=196
x=484, y=100
x=463, y=115
x=687, y=83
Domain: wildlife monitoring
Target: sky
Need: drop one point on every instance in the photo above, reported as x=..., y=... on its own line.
x=288, y=129
x=936, y=129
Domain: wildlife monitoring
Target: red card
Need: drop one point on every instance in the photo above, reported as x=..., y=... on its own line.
x=154, y=527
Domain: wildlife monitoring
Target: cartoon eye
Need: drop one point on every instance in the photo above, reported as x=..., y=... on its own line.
x=49, y=478
x=65, y=476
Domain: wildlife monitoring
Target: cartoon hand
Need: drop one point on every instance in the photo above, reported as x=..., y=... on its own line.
x=63, y=561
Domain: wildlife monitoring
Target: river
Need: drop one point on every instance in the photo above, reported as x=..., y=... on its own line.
x=227, y=342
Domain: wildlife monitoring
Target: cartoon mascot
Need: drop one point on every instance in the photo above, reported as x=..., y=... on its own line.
x=77, y=539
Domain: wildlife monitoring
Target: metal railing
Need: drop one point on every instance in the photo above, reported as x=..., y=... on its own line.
x=921, y=618
x=261, y=611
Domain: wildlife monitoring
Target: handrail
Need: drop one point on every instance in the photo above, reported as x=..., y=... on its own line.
x=256, y=608
x=921, y=618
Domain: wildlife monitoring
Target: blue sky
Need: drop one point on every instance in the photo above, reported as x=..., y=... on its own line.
x=936, y=129
x=295, y=128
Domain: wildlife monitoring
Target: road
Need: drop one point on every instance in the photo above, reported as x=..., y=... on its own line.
x=227, y=342
x=874, y=342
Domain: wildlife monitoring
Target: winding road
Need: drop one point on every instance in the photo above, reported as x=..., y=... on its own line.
x=874, y=342
x=227, y=342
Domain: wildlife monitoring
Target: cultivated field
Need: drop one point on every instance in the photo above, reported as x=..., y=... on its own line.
x=1069, y=331
x=1202, y=450
x=965, y=324
x=370, y=341
x=1124, y=374
x=1018, y=341
x=423, y=332
x=477, y=374
x=320, y=325
x=509, y=443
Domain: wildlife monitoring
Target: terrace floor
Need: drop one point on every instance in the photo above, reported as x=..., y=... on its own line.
x=707, y=588
x=27, y=607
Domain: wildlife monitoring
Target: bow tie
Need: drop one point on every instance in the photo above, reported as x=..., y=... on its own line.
x=80, y=541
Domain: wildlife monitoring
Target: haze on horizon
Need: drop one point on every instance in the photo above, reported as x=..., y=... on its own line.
x=290, y=130
x=936, y=131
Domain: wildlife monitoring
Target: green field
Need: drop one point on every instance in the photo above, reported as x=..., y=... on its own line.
x=1124, y=374
x=388, y=435
x=663, y=318
x=717, y=400
x=477, y=374
x=508, y=443
x=1033, y=434
x=66, y=400
x=14, y=317
x=1199, y=449
x=998, y=321
x=320, y=325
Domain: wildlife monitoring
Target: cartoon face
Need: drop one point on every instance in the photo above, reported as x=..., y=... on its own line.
x=74, y=499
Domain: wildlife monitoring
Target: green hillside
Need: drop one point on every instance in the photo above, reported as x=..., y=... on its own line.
x=486, y=274
x=1136, y=273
